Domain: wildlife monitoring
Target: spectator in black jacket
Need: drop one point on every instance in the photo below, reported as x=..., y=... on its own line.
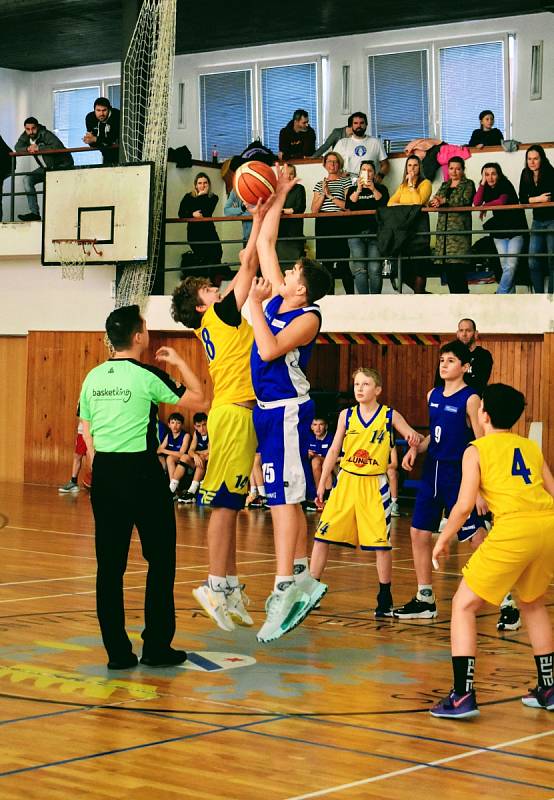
x=34, y=139
x=102, y=126
x=5, y=167
x=480, y=362
x=288, y=252
x=203, y=239
x=536, y=185
x=486, y=135
x=297, y=139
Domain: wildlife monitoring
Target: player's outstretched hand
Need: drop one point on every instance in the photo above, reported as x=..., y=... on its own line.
x=260, y=290
x=409, y=459
x=481, y=505
x=261, y=208
x=169, y=355
x=414, y=438
x=441, y=548
x=284, y=182
x=321, y=491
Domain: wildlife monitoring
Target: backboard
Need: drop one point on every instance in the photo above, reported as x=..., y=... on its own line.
x=109, y=204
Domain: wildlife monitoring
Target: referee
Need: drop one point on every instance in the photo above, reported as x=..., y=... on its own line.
x=119, y=408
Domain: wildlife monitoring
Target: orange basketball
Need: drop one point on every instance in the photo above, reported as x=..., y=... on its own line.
x=254, y=181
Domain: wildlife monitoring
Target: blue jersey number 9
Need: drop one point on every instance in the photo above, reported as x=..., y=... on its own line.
x=208, y=344
x=519, y=467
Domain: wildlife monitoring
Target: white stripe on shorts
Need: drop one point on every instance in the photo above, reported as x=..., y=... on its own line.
x=293, y=470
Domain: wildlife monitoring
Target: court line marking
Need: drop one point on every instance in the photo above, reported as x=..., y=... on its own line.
x=247, y=728
x=91, y=536
x=127, y=572
x=131, y=748
x=438, y=763
x=423, y=738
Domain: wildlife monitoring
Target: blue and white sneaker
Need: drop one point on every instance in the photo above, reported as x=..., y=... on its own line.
x=285, y=610
x=540, y=697
x=456, y=706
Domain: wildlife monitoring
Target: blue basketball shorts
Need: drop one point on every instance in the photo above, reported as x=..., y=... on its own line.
x=438, y=492
x=283, y=438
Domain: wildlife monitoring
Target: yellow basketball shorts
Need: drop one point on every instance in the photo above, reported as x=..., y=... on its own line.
x=357, y=513
x=517, y=554
x=232, y=449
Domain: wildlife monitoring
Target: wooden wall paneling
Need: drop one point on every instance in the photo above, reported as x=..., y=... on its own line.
x=57, y=365
x=188, y=346
x=13, y=379
x=547, y=398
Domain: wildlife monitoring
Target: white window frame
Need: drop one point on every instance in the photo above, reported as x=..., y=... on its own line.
x=461, y=42
x=433, y=70
x=217, y=70
x=103, y=83
x=412, y=47
x=255, y=68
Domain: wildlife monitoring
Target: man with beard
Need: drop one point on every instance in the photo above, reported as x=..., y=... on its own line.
x=359, y=147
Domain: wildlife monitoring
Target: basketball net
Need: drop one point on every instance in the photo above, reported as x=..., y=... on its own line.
x=72, y=255
x=146, y=92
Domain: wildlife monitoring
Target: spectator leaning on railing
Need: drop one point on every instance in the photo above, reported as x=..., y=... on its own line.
x=5, y=167
x=458, y=190
x=537, y=186
x=102, y=126
x=34, y=139
x=496, y=190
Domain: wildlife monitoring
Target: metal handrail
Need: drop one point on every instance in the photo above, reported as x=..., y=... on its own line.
x=439, y=258
x=15, y=154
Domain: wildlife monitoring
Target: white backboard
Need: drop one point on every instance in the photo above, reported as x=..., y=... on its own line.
x=109, y=204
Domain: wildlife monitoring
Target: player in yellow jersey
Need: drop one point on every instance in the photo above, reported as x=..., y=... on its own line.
x=358, y=511
x=227, y=340
x=518, y=487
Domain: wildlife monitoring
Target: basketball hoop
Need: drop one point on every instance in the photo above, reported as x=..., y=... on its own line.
x=73, y=255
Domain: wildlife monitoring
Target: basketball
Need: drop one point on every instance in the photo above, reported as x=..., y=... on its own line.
x=254, y=181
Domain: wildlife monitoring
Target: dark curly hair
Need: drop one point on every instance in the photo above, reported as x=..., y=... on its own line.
x=185, y=299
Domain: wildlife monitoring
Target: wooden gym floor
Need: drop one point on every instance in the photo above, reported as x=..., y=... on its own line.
x=337, y=708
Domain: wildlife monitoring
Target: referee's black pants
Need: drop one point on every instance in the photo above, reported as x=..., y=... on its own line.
x=131, y=489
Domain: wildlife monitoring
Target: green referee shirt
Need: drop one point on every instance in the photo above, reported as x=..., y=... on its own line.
x=120, y=400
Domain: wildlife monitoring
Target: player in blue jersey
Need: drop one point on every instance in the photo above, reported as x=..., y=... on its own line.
x=453, y=423
x=319, y=443
x=284, y=334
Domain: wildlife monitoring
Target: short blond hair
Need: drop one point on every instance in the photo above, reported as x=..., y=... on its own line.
x=338, y=156
x=369, y=372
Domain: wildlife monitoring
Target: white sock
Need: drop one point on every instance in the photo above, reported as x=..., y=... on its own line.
x=173, y=485
x=217, y=583
x=233, y=581
x=282, y=582
x=193, y=488
x=260, y=490
x=394, y=499
x=301, y=572
x=425, y=593
x=254, y=491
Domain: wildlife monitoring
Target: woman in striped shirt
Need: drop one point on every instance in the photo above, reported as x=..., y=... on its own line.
x=329, y=198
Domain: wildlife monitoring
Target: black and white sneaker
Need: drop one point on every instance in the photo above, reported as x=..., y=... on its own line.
x=416, y=609
x=187, y=497
x=509, y=619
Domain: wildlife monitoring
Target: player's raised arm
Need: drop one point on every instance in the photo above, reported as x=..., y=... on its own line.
x=267, y=238
x=467, y=496
x=301, y=330
x=194, y=396
x=249, y=255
